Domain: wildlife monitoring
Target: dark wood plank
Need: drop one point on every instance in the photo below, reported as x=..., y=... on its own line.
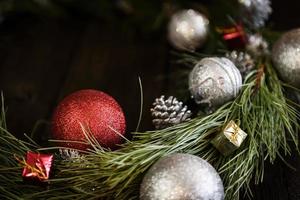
x=293, y=177
x=285, y=14
x=274, y=185
x=37, y=60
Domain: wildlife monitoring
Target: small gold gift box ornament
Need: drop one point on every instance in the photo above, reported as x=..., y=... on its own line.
x=229, y=139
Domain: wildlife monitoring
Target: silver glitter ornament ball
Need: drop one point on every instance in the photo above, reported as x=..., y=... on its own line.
x=188, y=30
x=214, y=81
x=286, y=57
x=182, y=177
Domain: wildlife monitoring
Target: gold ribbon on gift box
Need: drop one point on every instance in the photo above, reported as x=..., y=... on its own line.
x=234, y=133
x=229, y=139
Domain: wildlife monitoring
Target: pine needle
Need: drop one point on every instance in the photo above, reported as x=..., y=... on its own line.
x=263, y=112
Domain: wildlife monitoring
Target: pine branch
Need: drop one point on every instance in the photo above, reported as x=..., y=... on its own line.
x=121, y=172
x=264, y=113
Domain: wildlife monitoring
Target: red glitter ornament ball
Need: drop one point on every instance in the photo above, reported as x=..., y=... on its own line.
x=93, y=109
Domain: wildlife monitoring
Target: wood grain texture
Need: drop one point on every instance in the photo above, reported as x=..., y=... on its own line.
x=36, y=62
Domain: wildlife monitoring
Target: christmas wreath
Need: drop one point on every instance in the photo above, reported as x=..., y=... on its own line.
x=246, y=113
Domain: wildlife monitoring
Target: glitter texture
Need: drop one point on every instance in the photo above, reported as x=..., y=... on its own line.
x=94, y=109
x=286, y=57
x=182, y=177
x=214, y=81
x=188, y=30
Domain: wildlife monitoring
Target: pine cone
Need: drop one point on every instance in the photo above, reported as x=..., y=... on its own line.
x=169, y=112
x=242, y=61
x=255, y=13
x=74, y=158
x=257, y=45
x=70, y=155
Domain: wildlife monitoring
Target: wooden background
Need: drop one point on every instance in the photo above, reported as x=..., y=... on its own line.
x=42, y=60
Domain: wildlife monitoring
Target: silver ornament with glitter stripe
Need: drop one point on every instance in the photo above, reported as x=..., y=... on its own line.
x=214, y=81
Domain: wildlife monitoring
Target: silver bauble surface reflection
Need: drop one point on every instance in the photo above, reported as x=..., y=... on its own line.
x=214, y=81
x=182, y=177
x=188, y=30
x=286, y=57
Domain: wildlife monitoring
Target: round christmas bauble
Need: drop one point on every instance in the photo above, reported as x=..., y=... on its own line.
x=188, y=30
x=214, y=81
x=286, y=57
x=98, y=112
x=182, y=177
